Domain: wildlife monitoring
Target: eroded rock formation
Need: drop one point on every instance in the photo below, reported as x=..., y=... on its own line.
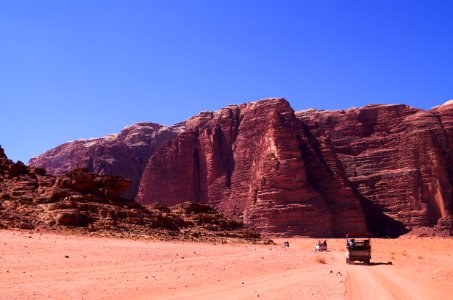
x=395, y=157
x=383, y=168
x=125, y=154
x=91, y=203
x=249, y=161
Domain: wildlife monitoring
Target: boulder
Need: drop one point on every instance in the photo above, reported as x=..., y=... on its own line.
x=17, y=169
x=71, y=218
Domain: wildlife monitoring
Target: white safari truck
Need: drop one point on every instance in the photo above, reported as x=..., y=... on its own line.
x=358, y=248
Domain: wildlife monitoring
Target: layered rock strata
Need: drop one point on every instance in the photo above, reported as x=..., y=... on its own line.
x=395, y=157
x=383, y=168
x=250, y=161
x=125, y=154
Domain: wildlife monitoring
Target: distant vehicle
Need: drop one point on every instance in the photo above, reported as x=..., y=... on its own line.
x=358, y=248
x=321, y=246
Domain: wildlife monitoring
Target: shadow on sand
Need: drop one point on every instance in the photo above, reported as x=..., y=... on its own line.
x=373, y=263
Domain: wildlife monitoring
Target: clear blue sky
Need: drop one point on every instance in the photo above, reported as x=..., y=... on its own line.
x=81, y=69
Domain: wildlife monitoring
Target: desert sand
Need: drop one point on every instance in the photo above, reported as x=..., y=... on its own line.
x=36, y=265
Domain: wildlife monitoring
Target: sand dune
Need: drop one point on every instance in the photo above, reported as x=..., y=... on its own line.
x=52, y=266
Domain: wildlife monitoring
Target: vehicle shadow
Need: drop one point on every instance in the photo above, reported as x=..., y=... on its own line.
x=372, y=263
x=380, y=263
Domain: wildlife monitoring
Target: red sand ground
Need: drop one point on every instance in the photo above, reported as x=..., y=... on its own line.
x=51, y=266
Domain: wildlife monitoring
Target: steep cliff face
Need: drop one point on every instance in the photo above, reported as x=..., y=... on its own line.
x=445, y=114
x=383, y=168
x=248, y=160
x=395, y=157
x=125, y=154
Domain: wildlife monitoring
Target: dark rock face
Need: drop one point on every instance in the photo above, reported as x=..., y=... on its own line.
x=125, y=154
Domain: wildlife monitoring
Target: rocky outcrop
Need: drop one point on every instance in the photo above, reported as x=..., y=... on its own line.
x=90, y=203
x=125, y=154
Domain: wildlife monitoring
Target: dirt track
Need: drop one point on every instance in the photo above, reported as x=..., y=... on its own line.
x=38, y=266
x=381, y=282
x=419, y=268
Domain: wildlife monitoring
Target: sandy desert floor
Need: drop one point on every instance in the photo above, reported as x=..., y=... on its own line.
x=51, y=266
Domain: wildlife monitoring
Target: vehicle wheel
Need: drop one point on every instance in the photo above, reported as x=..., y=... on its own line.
x=367, y=262
x=348, y=261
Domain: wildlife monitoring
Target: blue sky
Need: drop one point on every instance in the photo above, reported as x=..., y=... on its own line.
x=81, y=69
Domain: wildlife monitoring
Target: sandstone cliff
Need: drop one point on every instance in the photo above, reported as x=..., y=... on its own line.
x=250, y=161
x=383, y=168
x=125, y=154
x=395, y=157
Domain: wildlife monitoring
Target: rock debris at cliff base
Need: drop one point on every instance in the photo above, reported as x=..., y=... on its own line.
x=88, y=203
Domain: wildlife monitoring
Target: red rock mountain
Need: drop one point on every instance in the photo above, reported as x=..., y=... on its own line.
x=383, y=168
x=397, y=158
x=125, y=154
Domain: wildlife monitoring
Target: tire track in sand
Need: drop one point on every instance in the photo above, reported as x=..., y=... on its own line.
x=378, y=282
